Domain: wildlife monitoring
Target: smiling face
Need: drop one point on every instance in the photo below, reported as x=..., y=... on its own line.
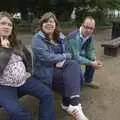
x=49, y=26
x=5, y=26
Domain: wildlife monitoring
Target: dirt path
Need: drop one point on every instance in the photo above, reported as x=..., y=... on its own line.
x=104, y=103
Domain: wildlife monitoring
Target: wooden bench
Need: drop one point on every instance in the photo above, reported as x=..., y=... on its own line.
x=111, y=47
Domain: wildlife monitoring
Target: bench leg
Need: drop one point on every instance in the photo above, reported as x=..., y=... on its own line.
x=111, y=51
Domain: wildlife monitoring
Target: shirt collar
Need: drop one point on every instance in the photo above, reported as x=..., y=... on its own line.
x=81, y=36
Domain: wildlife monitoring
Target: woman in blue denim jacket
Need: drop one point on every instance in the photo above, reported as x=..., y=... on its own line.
x=52, y=64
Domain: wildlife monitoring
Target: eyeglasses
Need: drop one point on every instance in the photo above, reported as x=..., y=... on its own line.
x=87, y=27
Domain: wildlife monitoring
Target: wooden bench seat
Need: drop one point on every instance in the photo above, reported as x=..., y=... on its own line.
x=111, y=47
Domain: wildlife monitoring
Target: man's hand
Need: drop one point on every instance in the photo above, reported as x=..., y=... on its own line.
x=97, y=64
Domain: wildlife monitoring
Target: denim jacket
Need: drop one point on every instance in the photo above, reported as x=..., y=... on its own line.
x=45, y=56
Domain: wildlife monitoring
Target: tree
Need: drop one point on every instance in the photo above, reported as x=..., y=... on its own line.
x=62, y=8
x=96, y=8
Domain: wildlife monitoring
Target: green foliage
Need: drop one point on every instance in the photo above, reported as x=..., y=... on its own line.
x=63, y=8
x=68, y=24
x=95, y=8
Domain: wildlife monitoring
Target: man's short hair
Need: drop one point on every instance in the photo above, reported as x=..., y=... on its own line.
x=90, y=18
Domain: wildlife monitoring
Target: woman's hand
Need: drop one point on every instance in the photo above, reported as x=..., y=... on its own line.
x=5, y=42
x=60, y=64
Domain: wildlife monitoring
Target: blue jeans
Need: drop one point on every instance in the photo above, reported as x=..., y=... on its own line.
x=89, y=73
x=10, y=100
x=67, y=80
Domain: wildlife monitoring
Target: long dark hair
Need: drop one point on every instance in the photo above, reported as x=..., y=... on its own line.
x=45, y=17
x=12, y=38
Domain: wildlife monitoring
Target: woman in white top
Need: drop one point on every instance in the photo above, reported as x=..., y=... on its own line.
x=15, y=70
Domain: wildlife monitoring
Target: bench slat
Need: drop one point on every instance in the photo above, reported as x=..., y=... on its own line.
x=112, y=43
x=111, y=47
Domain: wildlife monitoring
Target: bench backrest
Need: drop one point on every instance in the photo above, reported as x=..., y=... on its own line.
x=113, y=43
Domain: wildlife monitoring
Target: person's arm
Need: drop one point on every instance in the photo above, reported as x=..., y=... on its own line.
x=74, y=49
x=27, y=58
x=91, y=53
x=41, y=50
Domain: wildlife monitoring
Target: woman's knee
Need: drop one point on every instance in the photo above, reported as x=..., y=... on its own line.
x=44, y=93
x=72, y=62
x=73, y=65
x=48, y=94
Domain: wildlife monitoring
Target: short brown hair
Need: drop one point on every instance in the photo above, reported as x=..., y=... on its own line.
x=88, y=17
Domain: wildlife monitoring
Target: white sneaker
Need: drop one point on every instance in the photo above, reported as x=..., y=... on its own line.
x=75, y=111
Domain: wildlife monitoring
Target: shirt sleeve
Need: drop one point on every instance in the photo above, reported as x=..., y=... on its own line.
x=75, y=52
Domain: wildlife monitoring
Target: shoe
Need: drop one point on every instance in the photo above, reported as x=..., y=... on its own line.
x=75, y=111
x=93, y=85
